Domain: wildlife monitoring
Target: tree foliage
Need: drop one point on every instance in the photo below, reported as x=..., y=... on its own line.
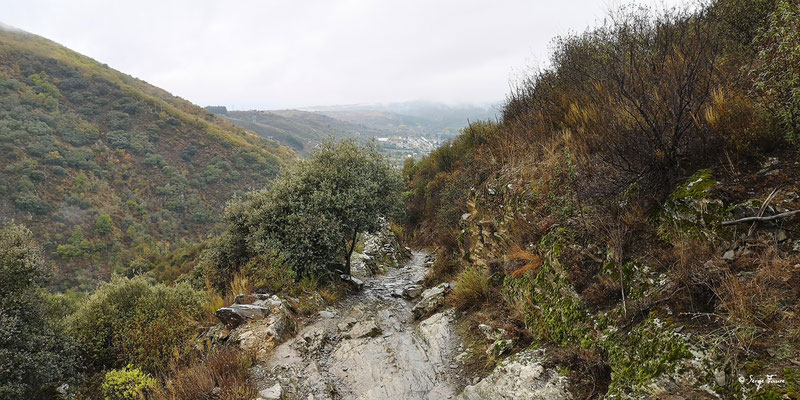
x=34, y=355
x=776, y=67
x=309, y=216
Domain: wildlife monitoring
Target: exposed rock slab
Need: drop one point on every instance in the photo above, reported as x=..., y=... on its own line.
x=522, y=376
x=371, y=350
x=238, y=314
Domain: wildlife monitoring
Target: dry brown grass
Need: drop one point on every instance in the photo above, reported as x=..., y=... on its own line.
x=222, y=374
x=532, y=261
x=471, y=289
x=443, y=269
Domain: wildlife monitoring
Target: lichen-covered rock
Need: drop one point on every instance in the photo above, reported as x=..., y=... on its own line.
x=522, y=376
x=500, y=347
x=263, y=334
x=692, y=210
x=237, y=314
x=381, y=250
x=431, y=300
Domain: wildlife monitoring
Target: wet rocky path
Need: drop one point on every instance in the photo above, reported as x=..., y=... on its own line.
x=370, y=347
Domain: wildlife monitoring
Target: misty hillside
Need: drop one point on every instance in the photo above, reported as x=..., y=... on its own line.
x=107, y=170
x=421, y=118
x=300, y=130
x=399, y=136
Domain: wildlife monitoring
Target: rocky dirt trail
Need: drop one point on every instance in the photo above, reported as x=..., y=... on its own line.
x=370, y=346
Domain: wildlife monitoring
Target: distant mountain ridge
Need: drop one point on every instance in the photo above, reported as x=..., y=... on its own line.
x=301, y=130
x=402, y=129
x=423, y=118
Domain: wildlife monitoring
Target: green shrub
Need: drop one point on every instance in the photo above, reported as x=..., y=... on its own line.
x=128, y=383
x=35, y=356
x=119, y=139
x=188, y=153
x=269, y=271
x=131, y=321
x=311, y=215
x=650, y=350
x=31, y=202
x=776, y=68
x=103, y=225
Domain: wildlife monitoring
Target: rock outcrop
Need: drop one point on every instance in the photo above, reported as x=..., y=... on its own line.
x=431, y=300
x=381, y=250
x=522, y=376
x=259, y=326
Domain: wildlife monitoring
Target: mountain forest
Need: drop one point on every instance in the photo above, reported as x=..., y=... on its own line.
x=626, y=227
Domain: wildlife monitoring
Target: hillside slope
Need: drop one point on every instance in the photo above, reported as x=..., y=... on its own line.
x=107, y=170
x=301, y=130
x=635, y=210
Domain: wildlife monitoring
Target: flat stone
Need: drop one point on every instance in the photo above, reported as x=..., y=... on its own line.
x=272, y=393
x=729, y=255
x=238, y=314
x=431, y=300
x=363, y=329
x=411, y=292
x=355, y=283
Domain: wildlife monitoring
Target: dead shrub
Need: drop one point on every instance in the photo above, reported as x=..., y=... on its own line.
x=227, y=368
x=532, y=261
x=761, y=301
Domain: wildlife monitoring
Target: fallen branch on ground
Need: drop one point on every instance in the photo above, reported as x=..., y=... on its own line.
x=761, y=219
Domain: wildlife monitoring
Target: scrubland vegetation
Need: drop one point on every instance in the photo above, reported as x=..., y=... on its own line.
x=603, y=218
x=593, y=209
x=135, y=338
x=109, y=172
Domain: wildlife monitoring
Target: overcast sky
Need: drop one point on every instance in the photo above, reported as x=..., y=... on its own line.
x=291, y=53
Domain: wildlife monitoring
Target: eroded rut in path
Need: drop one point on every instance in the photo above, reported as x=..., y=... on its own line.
x=369, y=347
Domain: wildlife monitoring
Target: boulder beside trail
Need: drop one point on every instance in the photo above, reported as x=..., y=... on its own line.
x=431, y=300
x=238, y=314
x=259, y=326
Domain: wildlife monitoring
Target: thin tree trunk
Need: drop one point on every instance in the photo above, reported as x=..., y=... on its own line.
x=350, y=252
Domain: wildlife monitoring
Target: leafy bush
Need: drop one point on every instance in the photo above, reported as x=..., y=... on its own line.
x=130, y=321
x=34, y=355
x=119, y=139
x=31, y=202
x=269, y=271
x=776, y=67
x=188, y=153
x=103, y=225
x=128, y=383
x=79, y=137
x=309, y=215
